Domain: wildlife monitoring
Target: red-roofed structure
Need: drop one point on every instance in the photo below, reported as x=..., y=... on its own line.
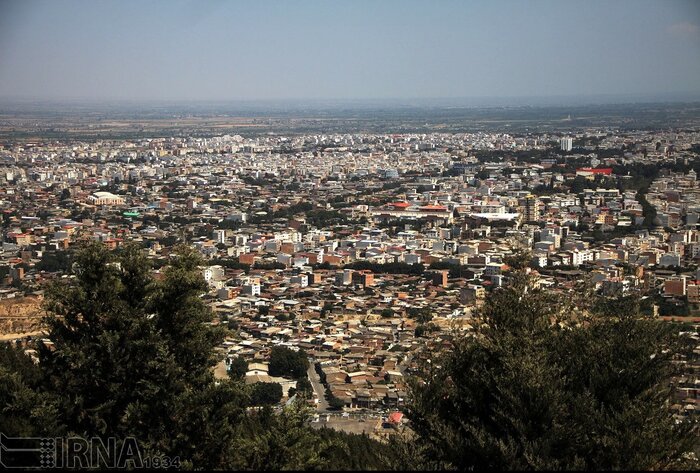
x=395, y=417
x=601, y=171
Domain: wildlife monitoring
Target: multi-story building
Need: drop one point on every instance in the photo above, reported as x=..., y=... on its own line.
x=566, y=143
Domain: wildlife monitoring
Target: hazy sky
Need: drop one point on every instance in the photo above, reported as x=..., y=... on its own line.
x=217, y=50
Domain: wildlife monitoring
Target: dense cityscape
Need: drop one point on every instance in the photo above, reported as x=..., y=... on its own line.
x=366, y=251
x=389, y=235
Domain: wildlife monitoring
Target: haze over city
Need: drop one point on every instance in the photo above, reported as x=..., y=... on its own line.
x=314, y=50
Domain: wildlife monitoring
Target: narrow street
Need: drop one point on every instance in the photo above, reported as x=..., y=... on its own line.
x=318, y=388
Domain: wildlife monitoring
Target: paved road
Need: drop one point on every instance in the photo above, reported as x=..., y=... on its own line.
x=319, y=390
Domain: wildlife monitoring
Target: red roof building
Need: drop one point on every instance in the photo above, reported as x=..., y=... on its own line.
x=601, y=171
x=395, y=417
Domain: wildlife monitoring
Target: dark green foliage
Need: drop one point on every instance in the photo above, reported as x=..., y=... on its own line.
x=286, y=213
x=168, y=241
x=281, y=443
x=518, y=260
x=211, y=422
x=542, y=387
x=357, y=452
x=672, y=306
x=648, y=210
x=423, y=315
x=114, y=370
x=325, y=218
x=265, y=394
x=287, y=362
x=13, y=359
x=238, y=368
x=324, y=265
x=304, y=386
x=285, y=316
x=285, y=442
x=456, y=270
x=54, y=261
x=181, y=315
x=263, y=310
x=25, y=412
x=578, y=184
x=335, y=403
x=228, y=224
x=231, y=263
x=425, y=329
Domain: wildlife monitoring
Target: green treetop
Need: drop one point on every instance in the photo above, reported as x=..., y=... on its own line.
x=540, y=386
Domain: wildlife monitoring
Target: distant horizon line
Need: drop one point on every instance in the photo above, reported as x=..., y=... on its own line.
x=457, y=102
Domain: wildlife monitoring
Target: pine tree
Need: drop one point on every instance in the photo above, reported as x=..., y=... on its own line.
x=285, y=442
x=111, y=371
x=540, y=386
x=182, y=318
x=238, y=368
x=25, y=412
